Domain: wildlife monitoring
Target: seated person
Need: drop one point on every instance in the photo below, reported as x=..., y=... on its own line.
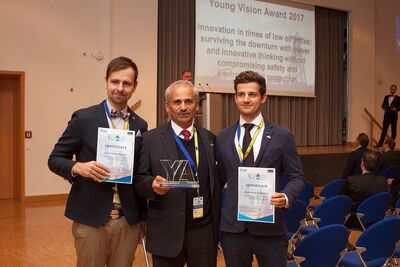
x=360, y=187
x=389, y=156
x=354, y=160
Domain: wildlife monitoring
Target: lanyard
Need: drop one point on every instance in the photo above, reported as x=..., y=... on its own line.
x=186, y=153
x=253, y=140
x=126, y=123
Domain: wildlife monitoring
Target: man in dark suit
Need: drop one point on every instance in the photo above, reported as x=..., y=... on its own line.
x=106, y=216
x=269, y=146
x=391, y=105
x=182, y=223
x=389, y=157
x=360, y=187
x=353, y=164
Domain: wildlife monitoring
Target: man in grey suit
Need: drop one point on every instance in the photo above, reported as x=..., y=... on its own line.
x=271, y=146
x=182, y=223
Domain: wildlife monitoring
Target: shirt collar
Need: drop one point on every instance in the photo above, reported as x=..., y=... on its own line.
x=111, y=107
x=178, y=129
x=256, y=121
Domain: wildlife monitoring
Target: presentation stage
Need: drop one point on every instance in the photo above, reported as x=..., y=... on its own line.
x=275, y=40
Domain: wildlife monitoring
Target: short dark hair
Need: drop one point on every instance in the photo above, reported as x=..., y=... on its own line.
x=390, y=142
x=363, y=139
x=371, y=160
x=248, y=77
x=184, y=71
x=121, y=63
x=393, y=85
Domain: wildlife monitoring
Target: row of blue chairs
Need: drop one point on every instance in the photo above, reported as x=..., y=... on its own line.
x=327, y=246
x=332, y=213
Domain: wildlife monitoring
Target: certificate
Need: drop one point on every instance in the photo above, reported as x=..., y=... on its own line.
x=255, y=188
x=116, y=150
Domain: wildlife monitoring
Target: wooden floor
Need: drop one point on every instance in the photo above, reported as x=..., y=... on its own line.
x=38, y=234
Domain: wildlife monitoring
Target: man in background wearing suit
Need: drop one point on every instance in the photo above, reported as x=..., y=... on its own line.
x=178, y=229
x=106, y=217
x=353, y=164
x=391, y=105
x=389, y=157
x=273, y=147
x=360, y=187
x=187, y=75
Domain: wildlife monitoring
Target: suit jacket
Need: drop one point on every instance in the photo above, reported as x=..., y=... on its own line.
x=389, y=158
x=277, y=151
x=353, y=165
x=389, y=114
x=166, y=218
x=90, y=202
x=360, y=187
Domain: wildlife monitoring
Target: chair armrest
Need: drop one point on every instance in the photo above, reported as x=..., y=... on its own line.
x=359, y=251
x=298, y=260
x=359, y=215
x=316, y=220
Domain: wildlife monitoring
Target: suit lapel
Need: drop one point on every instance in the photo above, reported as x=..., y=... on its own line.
x=168, y=142
x=266, y=138
x=231, y=137
x=204, y=138
x=132, y=121
x=101, y=116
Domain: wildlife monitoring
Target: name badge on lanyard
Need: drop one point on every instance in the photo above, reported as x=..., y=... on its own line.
x=198, y=207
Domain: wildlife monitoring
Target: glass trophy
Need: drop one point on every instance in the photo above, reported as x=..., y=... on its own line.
x=179, y=174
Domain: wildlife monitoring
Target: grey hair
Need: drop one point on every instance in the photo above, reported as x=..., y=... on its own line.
x=181, y=83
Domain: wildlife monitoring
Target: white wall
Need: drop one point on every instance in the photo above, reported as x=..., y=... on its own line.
x=53, y=41
x=387, y=59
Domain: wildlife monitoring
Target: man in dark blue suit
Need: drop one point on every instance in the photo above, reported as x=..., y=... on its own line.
x=354, y=160
x=391, y=105
x=106, y=216
x=271, y=146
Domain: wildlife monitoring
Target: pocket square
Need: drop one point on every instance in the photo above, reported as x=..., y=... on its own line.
x=139, y=133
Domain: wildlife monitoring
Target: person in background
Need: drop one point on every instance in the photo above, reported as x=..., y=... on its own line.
x=389, y=157
x=186, y=75
x=361, y=186
x=353, y=164
x=391, y=105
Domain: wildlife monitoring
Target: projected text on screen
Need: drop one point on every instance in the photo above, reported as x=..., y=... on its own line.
x=275, y=40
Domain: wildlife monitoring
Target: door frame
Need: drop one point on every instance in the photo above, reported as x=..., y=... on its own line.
x=20, y=140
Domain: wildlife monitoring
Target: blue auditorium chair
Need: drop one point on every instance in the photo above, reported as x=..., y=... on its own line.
x=322, y=247
x=391, y=172
x=335, y=210
x=373, y=209
x=375, y=246
x=308, y=193
x=329, y=190
x=293, y=218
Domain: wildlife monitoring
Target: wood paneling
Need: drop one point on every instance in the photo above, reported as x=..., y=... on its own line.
x=12, y=126
x=8, y=134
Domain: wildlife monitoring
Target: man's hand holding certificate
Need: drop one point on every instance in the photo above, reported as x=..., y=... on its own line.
x=256, y=186
x=115, y=149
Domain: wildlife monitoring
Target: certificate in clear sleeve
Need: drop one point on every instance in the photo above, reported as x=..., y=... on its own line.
x=116, y=151
x=255, y=188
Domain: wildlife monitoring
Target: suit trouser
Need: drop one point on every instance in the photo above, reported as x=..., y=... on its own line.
x=112, y=244
x=393, y=125
x=199, y=250
x=239, y=249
